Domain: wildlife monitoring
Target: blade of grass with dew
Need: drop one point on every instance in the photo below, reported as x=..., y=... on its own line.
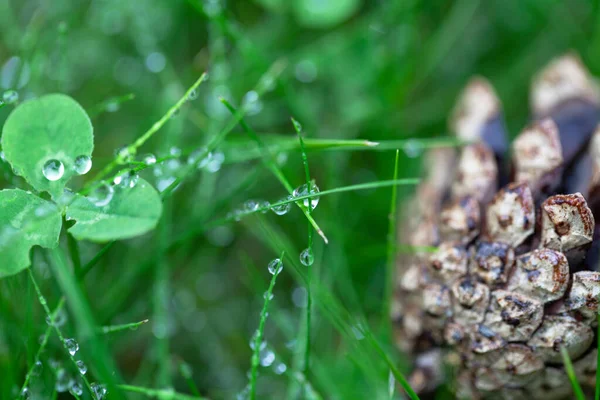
x=391, y=243
x=271, y=165
x=51, y=316
x=132, y=148
x=310, y=255
x=43, y=344
x=108, y=104
x=84, y=321
x=328, y=303
x=272, y=73
x=261, y=327
x=296, y=199
x=577, y=391
x=123, y=327
x=159, y=393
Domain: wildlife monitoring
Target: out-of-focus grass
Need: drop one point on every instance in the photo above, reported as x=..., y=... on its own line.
x=383, y=71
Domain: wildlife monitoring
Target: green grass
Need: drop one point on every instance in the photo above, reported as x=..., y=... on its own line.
x=372, y=90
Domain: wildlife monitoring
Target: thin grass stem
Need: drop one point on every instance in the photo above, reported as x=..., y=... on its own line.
x=577, y=391
x=391, y=245
x=258, y=338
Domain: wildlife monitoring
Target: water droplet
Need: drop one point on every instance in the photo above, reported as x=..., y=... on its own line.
x=175, y=151
x=280, y=368
x=99, y=390
x=212, y=8
x=215, y=162
x=10, y=97
x=59, y=319
x=282, y=209
x=55, y=364
x=306, y=71
x=15, y=73
x=251, y=103
x=63, y=381
x=196, y=158
x=412, y=148
x=45, y=210
x=149, y=159
x=281, y=159
x=264, y=205
x=82, y=164
x=2, y=156
x=81, y=367
x=72, y=346
x=155, y=62
x=76, y=388
x=102, y=195
x=303, y=191
x=124, y=155
x=307, y=258
x=266, y=84
x=268, y=296
x=36, y=370
x=262, y=345
x=251, y=206
x=25, y=394
x=275, y=266
x=53, y=170
x=244, y=394
x=193, y=95
x=112, y=106
x=267, y=357
x=358, y=332
x=126, y=179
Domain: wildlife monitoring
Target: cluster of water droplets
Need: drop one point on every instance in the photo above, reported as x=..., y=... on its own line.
x=127, y=178
x=54, y=169
x=210, y=161
x=99, y=390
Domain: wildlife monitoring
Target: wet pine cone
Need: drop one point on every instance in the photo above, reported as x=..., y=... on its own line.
x=515, y=277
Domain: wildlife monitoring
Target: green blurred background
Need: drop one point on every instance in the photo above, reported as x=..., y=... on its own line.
x=354, y=69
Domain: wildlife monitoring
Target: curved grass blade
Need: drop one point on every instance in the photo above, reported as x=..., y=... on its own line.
x=577, y=391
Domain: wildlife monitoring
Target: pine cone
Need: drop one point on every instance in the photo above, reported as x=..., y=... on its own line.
x=514, y=277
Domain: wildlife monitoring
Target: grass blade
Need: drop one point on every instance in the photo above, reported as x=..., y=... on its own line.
x=159, y=394
x=123, y=327
x=577, y=391
x=391, y=245
x=261, y=328
x=309, y=249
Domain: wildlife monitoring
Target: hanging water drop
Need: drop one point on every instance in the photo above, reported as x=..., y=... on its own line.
x=102, y=195
x=267, y=357
x=412, y=148
x=82, y=164
x=124, y=155
x=76, y=388
x=126, y=179
x=268, y=296
x=262, y=345
x=10, y=97
x=200, y=158
x=59, y=319
x=175, y=151
x=99, y=390
x=280, y=368
x=25, y=394
x=72, y=346
x=307, y=257
x=62, y=381
x=264, y=205
x=282, y=209
x=81, y=367
x=53, y=170
x=149, y=159
x=192, y=95
x=215, y=162
x=36, y=370
x=251, y=103
x=251, y=206
x=303, y=191
x=275, y=266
